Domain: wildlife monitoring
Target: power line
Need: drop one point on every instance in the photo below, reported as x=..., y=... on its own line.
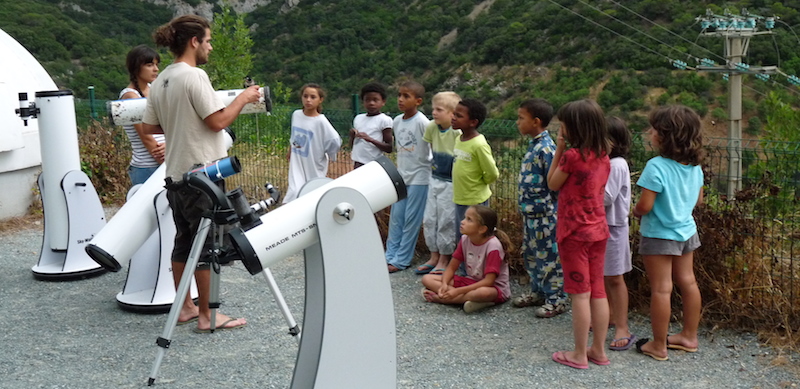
x=610, y=30
x=679, y=64
x=634, y=28
x=790, y=29
x=791, y=90
x=667, y=30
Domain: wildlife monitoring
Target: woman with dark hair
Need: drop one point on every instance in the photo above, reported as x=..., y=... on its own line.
x=148, y=150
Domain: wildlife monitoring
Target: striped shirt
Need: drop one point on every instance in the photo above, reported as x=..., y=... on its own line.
x=141, y=157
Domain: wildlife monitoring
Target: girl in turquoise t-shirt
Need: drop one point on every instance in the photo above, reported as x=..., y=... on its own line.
x=672, y=185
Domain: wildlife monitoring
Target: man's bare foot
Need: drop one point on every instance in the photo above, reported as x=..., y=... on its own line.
x=393, y=268
x=223, y=322
x=188, y=314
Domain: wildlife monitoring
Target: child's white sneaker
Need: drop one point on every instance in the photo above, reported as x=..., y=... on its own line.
x=550, y=310
x=528, y=300
x=473, y=306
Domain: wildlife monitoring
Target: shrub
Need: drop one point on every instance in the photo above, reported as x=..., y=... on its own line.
x=741, y=268
x=105, y=156
x=719, y=114
x=753, y=126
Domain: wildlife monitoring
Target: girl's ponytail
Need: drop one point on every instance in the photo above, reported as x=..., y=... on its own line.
x=504, y=240
x=488, y=217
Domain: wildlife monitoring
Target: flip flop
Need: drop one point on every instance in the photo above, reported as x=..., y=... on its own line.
x=191, y=320
x=437, y=271
x=599, y=362
x=641, y=343
x=222, y=327
x=423, y=269
x=681, y=347
x=559, y=357
x=631, y=340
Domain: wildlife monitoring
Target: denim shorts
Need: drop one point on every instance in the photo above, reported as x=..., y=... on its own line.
x=655, y=246
x=139, y=175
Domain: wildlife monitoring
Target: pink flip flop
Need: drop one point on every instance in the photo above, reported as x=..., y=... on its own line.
x=559, y=357
x=599, y=362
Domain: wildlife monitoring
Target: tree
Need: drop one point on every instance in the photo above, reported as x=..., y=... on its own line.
x=231, y=60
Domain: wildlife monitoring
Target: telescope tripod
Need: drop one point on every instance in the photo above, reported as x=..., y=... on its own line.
x=206, y=225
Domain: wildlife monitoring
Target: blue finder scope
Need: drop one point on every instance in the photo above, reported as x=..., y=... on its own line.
x=220, y=168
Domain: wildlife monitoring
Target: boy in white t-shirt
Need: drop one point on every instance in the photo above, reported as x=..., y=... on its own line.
x=414, y=165
x=371, y=135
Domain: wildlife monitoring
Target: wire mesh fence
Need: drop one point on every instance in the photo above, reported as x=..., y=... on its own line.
x=757, y=234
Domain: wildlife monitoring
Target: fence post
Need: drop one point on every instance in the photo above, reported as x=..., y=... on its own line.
x=355, y=105
x=91, y=102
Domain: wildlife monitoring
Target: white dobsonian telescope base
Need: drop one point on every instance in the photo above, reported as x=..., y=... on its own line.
x=346, y=343
x=73, y=213
x=85, y=218
x=149, y=286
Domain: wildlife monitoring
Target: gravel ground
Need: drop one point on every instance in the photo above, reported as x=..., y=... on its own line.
x=73, y=335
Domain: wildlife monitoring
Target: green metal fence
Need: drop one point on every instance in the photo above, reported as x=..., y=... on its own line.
x=764, y=217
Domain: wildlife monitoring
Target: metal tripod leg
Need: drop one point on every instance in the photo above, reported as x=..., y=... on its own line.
x=294, y=329
x=213, y=296
x=164, y=340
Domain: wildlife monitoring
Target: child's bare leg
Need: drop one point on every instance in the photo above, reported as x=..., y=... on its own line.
x=484, y=294
x=599, y=312
x=432, y=282
x=659, y=272
x=683, y=274
x=444, y=260
x=581, y=319
x=618, y=306
x=480, y=295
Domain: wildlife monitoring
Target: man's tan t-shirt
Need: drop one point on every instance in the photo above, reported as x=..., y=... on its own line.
x=180, y=98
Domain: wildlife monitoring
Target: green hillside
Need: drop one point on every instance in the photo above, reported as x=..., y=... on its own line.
x=500, y=51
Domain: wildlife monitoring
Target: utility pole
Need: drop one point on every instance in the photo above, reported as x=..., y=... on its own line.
x=737, y=31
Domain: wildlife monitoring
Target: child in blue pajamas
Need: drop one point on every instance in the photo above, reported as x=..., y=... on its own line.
x=538, y=208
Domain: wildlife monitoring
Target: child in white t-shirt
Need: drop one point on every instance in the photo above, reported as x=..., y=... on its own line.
x=414, y=165
x=314, y=141
x=371, y=135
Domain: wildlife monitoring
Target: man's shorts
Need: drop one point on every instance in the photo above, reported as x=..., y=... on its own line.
x=188, y=205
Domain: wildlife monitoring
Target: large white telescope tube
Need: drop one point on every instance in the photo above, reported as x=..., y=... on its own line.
x=292, y=227
x=60, y=154
x=130, y=227
x=130, y=111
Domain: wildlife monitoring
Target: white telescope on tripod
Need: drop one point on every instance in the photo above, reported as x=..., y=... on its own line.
x=344, y=345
